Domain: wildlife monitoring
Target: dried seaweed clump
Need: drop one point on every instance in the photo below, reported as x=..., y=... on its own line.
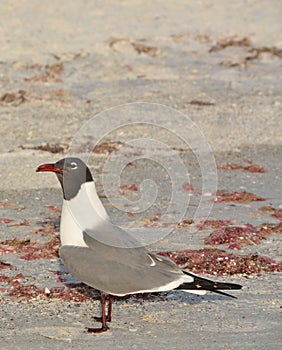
x=221, y=263
x=247, y=234
x=31, y=248
x=239, y=197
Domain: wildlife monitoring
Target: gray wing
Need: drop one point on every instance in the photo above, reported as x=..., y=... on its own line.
x=112, y=235
x=121, y=271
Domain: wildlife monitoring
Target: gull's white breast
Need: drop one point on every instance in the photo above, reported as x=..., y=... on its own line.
x=80, y=213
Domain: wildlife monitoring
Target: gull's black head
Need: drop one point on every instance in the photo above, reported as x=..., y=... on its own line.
x=71, y=172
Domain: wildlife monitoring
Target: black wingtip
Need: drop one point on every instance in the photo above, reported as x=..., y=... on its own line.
x=223, y=293
x=201, y=283
x=204, y=282
x=227, y=286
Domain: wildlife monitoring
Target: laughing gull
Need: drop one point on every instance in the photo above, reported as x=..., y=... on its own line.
x=117, y=268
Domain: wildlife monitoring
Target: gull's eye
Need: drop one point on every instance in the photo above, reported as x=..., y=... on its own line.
x=73, y=165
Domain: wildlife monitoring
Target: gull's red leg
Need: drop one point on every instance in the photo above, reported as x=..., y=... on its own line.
x=109, y=315
x=104, y=327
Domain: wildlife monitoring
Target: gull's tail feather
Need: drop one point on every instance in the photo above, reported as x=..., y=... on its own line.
x=203, y=284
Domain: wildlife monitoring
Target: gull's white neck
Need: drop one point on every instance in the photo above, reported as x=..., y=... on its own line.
x=82, y=212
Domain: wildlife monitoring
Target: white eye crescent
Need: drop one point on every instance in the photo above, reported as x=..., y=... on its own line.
x=73, y=165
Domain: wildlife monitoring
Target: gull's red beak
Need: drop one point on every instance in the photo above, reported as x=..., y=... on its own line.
x=49, y=167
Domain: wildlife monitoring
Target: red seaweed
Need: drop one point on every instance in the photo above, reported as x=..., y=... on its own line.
x=276, y=213
x=251, y=167
x=46, y=230
x=131, y=187
x=5, y=265
x=53, y=209
x=219, y=262
x=5, y=220
x=247, y=234
x=214, y=224
x=9, y=279
x=18, y=290
x=187, y=187
x=185, y=223
x=31, y=248
x=239, y=197
x=77, y=292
